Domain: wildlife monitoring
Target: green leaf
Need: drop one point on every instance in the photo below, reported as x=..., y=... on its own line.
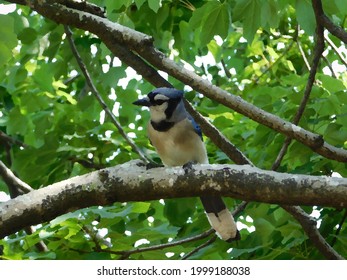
x=211, y=19
x=335, y=134
x=154, y=5
x=140, y=207
x=8, y=38
x=27, y=35
x=341, y=5
x=331, y=84
x=43, y=76
x=215, y=49
x=18, y=123
x=112, y=77
x=139, y=3
x=249, y=12
x=177, y=211
x=270, y=14
x=42, y=256
x=216, y=22
x=305, y=16
x=112, y=5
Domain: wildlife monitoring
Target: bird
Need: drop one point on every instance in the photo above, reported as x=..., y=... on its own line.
x=178, y=141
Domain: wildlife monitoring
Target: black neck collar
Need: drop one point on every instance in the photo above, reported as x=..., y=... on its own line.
x=162, y=125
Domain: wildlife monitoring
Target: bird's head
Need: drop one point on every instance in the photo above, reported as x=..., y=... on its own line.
x=165, y=104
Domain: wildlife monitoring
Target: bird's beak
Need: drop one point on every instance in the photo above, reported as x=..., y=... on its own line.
x=143, y=102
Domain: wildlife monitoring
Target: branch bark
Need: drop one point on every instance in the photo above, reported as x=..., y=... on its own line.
x=132, y=182
x=115, y=35
x=327, y=23
x=148, y=72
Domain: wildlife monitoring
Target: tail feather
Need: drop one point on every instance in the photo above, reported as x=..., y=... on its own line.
x=220, y=218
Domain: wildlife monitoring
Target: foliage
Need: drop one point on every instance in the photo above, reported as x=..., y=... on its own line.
x=254, y=49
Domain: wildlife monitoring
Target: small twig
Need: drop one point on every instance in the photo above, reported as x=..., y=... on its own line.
x=278, y=59
x=71, y=79
x=311, y=78
x=12, y=181
x=302, y=51
x=197, y=249
x=339, y=228
x=126, y=254
x=310, y=227
x=307, y=222
x=11, y=140
x=330, y=67
x=41, y=246
x=336, y=50
x=93, y=89
x=226, y=70
x=96, y=238
x=87, y=163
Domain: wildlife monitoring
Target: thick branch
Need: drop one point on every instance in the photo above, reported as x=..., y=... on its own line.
x=112, y=33
x=141, y=66
x=327, y=23
x=132, y=182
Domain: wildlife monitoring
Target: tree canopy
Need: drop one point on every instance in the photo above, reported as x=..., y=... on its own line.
x=266, y=81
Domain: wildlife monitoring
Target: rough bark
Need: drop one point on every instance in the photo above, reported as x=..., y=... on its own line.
x=132, y=182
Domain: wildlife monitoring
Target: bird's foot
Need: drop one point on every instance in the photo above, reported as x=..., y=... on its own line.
x=187, y=167
x=153, y=165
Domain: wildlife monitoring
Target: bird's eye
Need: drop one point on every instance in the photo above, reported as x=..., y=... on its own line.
x=160, y=101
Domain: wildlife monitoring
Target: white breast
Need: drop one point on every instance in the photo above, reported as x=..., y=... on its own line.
x=178, y=145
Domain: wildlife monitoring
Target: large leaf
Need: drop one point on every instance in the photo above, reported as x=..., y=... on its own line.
x=305, y=15
x=8, y=38
x=213, y=18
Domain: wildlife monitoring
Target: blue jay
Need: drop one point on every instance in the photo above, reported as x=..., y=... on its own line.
x=178, y=141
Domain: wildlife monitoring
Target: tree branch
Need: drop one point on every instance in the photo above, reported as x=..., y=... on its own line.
x=286, y=50
x=309, y=226
x=327, y=23
x=131, y=59
x=17, y=186
x=197, y=249
x=97, y=95
x=336, y=50
x=302, y=52
x=217, y=137
x=13, y=182
x=132, y=182
x=330, y=67
x=10, y=140
x=318, y=51
x=115, y=34
x=126, y=254
x=338, y=230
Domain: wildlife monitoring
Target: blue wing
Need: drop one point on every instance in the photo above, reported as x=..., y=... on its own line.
x=195, y=125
